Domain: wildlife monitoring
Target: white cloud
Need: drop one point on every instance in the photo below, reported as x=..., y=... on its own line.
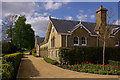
x=52, y=5
x=82, y=16
x=117, y=22
x=90, y=11
x=39, y=24
x=92, y=16
x=81, y=11
x=19, y=8
x=38, y=21
x=68, y=17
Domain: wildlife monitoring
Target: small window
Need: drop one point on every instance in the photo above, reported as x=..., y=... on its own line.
x=53, y=53
x=117, y=42
x=84, y=41
x=57, y=53
x=76, y=41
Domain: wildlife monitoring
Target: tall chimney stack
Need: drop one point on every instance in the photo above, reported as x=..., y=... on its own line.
x=100, y=18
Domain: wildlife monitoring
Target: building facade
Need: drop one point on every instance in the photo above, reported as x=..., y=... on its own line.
x=70, y=33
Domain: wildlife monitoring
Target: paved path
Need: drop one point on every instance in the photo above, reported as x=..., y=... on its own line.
x=32, y=67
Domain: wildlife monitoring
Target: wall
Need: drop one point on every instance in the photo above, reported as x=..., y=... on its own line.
x=79, y=32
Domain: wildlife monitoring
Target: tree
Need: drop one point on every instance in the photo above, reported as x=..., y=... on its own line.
x=105, y=31
x=23, y=34
x=7, y=25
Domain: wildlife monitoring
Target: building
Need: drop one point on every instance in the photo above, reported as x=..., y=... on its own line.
x=70, y=33
x=37, y=44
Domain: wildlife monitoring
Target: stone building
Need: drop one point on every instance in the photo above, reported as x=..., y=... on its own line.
x=37, y=44
x=70, y=33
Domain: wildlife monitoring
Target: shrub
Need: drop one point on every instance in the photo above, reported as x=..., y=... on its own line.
x=34, y=54
x=114, y=63
x=50, y=61
x=8, y=48
x=7, y=71
x=9, y=61
x=92, y=54
x=96, y=72
x=102, y=72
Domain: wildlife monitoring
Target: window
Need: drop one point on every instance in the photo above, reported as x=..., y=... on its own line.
x=53, y=41
x=84, y=41
x=53, y=53
x=76, y=41
x=117, y=42
x=57, y=53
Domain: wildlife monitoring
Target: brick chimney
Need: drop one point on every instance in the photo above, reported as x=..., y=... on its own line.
x=100, y=18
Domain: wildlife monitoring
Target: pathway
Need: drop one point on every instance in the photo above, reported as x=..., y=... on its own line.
x=32, y=67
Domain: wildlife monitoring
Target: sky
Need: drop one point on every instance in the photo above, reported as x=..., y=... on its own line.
x=37, y=12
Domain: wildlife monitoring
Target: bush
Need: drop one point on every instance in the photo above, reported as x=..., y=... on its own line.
x=91, y=54
x=50, y=61
x=114, y=63
x=8, y=48
x=10, y=65
x=7, y=71
x=102, y=72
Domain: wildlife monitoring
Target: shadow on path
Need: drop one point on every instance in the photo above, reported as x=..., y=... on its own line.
x=27, y=69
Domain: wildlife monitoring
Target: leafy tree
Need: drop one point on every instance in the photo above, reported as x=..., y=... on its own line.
x=37, y=36
x=23, y=34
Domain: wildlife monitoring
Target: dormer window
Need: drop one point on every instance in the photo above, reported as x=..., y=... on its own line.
x=84, y=41
x=76, y=41
x=117, y=42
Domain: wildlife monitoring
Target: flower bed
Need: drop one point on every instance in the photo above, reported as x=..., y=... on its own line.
x=88, y=67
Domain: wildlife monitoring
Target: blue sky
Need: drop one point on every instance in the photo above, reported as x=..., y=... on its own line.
x=37, y=12
x=81, y=9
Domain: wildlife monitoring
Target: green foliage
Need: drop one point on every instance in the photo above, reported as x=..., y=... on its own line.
x=23, y=34
x=50, y=61
x=8, y=48
x=87, y=67
x=114, y=63
x=10, y=64
x=7, y=71
x=92, y=54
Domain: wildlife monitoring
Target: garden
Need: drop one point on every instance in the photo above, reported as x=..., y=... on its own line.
x=89, y=60
x=89, y=67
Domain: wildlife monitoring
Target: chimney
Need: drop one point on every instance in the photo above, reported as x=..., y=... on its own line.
x=100, y=18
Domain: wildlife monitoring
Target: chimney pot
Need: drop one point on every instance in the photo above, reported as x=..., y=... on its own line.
x=101, y=6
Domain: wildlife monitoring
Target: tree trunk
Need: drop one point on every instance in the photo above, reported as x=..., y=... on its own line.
x=103, y=55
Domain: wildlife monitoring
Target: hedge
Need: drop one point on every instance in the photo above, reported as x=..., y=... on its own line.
x=50, y=61
x=10, y=64
x=91, y=54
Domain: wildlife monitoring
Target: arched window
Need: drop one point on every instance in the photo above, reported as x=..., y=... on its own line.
x=84, y=41
x=76, y=41
x=117, y=42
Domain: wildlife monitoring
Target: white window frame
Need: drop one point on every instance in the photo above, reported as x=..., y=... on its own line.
x=78, y=41
x=117, y=40
x=85, y=42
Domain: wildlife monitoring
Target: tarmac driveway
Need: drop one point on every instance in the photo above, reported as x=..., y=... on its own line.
x=32, y=67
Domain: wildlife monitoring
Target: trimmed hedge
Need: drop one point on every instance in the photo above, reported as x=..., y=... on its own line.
x=91, y=54
x=50, y=61
x=10, y=64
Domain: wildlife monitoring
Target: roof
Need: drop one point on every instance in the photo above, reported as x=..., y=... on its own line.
x=39, y=39
x=65, y=26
